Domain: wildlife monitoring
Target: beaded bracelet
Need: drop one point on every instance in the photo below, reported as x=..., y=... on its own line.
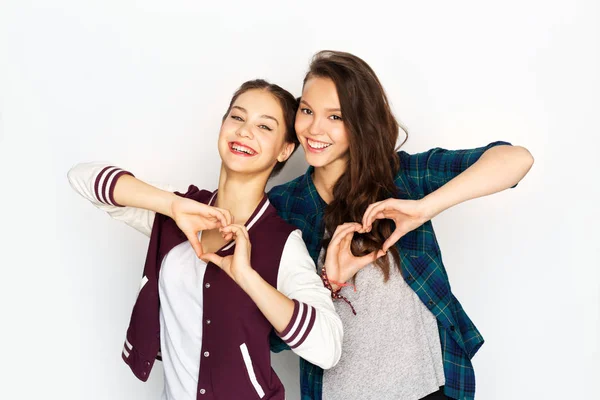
x=335, y=294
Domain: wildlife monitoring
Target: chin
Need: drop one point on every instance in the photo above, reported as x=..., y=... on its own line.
x=242, y=168
x=316, y=160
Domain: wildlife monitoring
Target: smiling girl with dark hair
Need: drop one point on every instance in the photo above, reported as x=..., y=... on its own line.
x=367, y=209
x=222, y=270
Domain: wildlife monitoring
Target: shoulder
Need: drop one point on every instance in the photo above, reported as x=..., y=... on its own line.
x=409, y=166
x=294, y=242
x=414, y=160
x=296, y=185
x=289, y=197
x=269, y=236
x=274, y=224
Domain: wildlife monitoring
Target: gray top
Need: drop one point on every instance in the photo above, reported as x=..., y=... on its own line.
x=391, y=348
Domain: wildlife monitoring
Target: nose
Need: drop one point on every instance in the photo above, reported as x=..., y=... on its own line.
x=315, y=127
x=245, y=132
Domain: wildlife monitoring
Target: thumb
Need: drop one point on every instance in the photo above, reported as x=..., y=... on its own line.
x=394, y=237
x=196, y=245
x=370, y=258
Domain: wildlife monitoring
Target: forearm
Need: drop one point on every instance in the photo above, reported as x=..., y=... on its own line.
x=274, y=305
x=132, y=192
x=499, y=168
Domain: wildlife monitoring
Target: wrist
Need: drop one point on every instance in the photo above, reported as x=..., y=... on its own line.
x=328, y=282
x=429, y=206
x=168, y=201
x=246, y=278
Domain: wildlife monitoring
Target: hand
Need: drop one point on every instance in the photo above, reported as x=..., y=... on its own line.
x=340, y=263
x=239, y=263
x=406, y=214
x=192, y=216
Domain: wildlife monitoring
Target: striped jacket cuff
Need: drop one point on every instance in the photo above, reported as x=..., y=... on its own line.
x=127, y=348
x=300, y=325
x=105, y=182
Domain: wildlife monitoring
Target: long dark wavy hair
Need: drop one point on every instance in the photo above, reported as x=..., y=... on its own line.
x=373, y=132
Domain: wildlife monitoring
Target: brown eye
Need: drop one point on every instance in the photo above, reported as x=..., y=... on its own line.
x=265, y=127
x=237, y=118
x=306, y=111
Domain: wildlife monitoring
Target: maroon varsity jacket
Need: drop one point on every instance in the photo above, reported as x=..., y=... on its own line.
x=231, y=319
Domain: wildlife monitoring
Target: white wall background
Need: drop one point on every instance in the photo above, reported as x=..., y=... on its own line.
x=144, y=83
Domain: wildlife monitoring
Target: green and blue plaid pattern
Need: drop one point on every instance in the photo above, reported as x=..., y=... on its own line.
x=299, y=204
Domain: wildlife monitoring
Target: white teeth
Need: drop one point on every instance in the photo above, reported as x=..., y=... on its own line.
x=242, y=149
x=318, y=145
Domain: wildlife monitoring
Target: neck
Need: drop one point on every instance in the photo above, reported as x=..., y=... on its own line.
x=326, y=177
x=240, y=194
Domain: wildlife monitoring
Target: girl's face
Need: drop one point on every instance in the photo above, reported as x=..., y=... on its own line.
x=320, y=126
x=252, y=136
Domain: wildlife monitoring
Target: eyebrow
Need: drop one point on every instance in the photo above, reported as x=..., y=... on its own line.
x=262, y=116
x=327, y=109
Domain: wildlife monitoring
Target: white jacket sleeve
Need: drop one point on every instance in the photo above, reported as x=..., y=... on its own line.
x=95, y=181
x=315, y=331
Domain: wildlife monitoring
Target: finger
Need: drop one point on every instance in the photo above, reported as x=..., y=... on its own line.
x=394, y=237
x=242, y=240
x=219, y=215
x=213, y=258
x=338, y=229
x=368, y=259
x=367, y=213
x=227, y=236
x=235, y=228
x=227, y=215
x=196, y=245
x=344, y=239
x=244, y=231
x=342, y=231
x=345, y=227
x=347, y=239
x=389, y=214
x=371, y=216
x=239, y=232
x=383, y=211
x=334, y=245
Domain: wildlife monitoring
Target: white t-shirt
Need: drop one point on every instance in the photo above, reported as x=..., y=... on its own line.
x=180, y=290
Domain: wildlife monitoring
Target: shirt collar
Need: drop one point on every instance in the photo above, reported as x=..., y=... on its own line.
x=317, y=204
x=257, y=214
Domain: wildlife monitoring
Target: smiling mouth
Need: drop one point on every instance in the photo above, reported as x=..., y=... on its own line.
x=316, y=145
x=238, y=148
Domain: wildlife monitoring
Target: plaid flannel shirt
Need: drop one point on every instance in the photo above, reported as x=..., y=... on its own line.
x=299, y=203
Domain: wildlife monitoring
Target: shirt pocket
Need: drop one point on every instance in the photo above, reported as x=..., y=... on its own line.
x=250, y=370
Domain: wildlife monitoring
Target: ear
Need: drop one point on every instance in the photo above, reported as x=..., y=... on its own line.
x=286, y=152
